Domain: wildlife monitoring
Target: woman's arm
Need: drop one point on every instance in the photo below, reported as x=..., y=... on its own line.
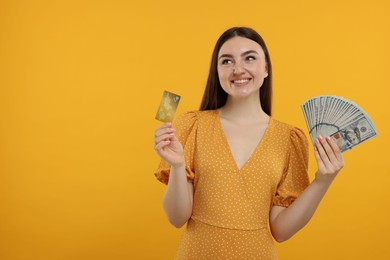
x=285, y=222
x=178, y=197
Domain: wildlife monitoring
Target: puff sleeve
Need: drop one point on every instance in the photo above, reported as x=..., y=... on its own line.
x=185, y=126
x=295, y=177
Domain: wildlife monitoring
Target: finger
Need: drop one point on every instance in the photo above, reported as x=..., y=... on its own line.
x=329, y=150
x=163, y=137
x=163, y=130
x=335, y=148
x=165, y=125
x=321, y=150
x=320, y=163
x=159, y=146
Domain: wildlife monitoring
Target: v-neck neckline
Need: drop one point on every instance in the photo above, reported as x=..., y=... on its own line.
x=227, y=145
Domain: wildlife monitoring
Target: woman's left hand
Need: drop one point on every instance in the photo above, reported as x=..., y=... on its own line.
x=329, y=158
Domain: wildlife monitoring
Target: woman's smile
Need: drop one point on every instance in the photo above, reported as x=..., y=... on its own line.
x=241, y=82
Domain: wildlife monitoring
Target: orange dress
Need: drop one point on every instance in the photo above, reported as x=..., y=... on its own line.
x=231, y=206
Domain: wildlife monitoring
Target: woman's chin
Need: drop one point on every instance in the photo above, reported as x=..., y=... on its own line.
x=244, y=93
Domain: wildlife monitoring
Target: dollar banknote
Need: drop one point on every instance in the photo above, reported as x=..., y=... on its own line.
x=341, y=119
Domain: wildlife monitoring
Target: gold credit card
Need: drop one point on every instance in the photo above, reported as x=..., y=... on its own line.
x=168, y=106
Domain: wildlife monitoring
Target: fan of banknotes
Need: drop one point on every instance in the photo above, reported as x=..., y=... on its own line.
x=339, y=118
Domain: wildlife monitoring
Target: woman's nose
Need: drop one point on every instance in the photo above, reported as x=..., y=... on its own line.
x=238, y=68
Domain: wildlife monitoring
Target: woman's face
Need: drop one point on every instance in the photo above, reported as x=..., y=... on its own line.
x=241, y=67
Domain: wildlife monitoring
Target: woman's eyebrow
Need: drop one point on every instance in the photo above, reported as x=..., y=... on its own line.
x=243, y=54
x=248, y=52
x=225, y=56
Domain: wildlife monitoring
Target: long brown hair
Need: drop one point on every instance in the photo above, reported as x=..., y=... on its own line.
x=214, y=96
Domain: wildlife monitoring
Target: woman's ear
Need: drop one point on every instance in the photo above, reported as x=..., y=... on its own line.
x=266, y=71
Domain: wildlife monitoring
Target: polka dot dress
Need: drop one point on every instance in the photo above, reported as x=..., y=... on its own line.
x=231, y=206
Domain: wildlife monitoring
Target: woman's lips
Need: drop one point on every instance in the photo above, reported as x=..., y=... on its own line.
x=240, y=82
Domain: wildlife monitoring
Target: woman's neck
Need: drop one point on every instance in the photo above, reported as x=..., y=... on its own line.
x=243, y=110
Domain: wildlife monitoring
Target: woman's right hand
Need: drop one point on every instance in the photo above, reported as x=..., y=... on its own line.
x=168, y=146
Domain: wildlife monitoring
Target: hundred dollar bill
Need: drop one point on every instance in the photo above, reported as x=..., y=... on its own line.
x=343, y=120
x=354, y=134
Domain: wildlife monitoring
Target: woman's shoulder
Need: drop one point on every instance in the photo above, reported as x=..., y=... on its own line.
x=288, y=129
x=194, y=115
x=283, y=125
x=187, y=124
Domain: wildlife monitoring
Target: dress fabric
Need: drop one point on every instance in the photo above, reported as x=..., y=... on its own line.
x=231, y=206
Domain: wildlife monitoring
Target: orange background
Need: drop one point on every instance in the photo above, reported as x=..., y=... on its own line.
x=80, y=83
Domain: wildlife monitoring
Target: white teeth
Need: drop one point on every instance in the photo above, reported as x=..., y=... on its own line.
x=241, y=81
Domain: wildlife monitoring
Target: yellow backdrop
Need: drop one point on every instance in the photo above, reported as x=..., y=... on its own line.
x=80, y=82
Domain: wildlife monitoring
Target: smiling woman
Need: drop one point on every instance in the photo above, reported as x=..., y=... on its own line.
x=241, y=67
x=215, y=96
x=231, y=168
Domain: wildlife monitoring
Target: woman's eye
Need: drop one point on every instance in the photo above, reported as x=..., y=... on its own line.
x=224, y=62
x=250, y=58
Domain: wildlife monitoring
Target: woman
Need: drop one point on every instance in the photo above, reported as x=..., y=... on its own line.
x=231, y=169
